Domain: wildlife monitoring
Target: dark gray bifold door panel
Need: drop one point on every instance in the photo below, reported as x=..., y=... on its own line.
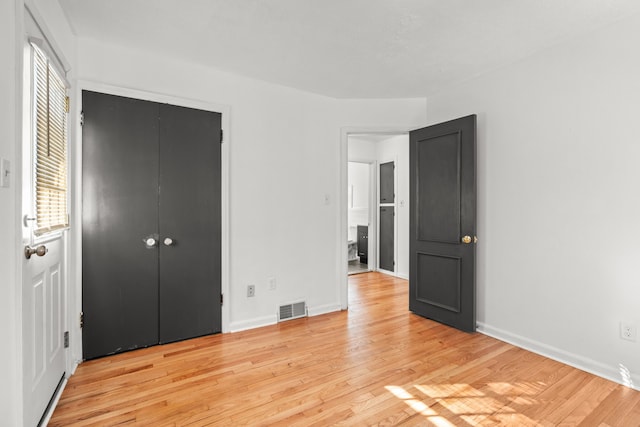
x=119, y=210
x=387, y=192
x=443, y=222
x=190, y=232
x=386, y=238
x=151, y=223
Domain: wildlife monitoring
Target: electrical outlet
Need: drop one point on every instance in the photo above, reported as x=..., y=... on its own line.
x=251, y=290
x=271, y=281
x=628, y=331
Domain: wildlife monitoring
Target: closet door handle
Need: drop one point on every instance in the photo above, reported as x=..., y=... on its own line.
x=150, y=242
x=168, y=241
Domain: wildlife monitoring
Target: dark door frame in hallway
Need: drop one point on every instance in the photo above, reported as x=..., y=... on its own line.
x=75, y=269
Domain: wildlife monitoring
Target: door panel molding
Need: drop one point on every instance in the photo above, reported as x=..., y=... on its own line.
x=43, y=328
x=433, y=181
x=455, y=303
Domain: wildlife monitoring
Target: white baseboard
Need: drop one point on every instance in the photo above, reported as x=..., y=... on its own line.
x=74, y=366
x=256, y=322
x=323, y=309
x=612, y=373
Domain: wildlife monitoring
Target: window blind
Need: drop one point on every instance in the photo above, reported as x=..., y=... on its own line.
x=50, y=113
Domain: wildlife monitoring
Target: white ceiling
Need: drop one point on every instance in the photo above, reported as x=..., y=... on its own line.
x=346, y=48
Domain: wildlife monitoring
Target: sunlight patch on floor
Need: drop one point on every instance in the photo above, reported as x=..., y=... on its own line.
x=446, y=390
x=463, y=402
x=483, y=405
x=518, y=388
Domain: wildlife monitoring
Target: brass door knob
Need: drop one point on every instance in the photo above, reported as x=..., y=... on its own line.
x=466, y=240
x=40, y=251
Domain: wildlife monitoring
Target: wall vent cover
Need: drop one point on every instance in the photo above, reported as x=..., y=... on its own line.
x=292, y=311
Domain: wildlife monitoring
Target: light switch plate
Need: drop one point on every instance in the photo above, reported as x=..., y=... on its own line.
x=5, y=173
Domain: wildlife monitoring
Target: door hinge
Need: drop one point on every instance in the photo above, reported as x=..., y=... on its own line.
x=66, y=104
x=81, y=319
x=221, y=299
x=82, y=118
x=221, y=136
x=66, y=339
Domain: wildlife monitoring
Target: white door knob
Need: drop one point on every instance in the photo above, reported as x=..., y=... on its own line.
x=168, y=241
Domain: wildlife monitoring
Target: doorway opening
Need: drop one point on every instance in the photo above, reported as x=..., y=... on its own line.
x=359, y=196
x=377, y=202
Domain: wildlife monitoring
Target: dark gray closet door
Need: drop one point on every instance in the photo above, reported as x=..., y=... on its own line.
x=189, y=223
x=150, y=171
x=119, y=210
x=387, y=192
x=386, y=238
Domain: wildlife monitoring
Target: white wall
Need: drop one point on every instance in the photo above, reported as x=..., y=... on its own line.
x=360, y=193
x=359, y=181
x=363, y=149
x=9, y=367
x=559, y=202
x=285, y=157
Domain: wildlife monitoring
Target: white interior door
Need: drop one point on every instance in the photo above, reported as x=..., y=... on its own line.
x=44, y=273
x=43, y=328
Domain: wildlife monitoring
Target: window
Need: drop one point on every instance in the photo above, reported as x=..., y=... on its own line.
x=50, y=109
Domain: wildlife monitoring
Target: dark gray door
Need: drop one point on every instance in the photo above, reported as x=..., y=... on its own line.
x=443, y=222
x=119, y=209
x=386, y=258
x=150, y=171
x=363, y=244
x=387, y=192
x=189, y=223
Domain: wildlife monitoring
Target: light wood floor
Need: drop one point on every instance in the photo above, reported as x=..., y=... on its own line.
x=375, y=364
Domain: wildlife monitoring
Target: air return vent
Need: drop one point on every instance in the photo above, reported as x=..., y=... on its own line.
x=292, y=311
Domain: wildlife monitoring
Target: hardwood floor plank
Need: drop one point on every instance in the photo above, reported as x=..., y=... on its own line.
x=375, y=364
